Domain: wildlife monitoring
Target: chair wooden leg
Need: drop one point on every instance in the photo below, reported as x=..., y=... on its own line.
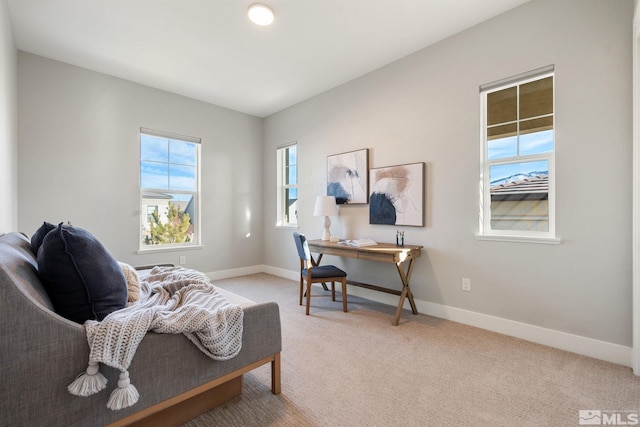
x=333, y=290
x=301, y=288
x=308, y=295
x=344, y=294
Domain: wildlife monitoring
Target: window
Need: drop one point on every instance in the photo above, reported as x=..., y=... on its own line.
x=287, y=198
x=518, y=144
x=169, y=190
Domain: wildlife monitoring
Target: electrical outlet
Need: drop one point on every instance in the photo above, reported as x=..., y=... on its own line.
x=183, y=260
x=466, y=284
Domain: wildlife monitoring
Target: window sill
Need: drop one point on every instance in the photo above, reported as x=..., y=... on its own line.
x=519, y=239
x=168, y=249
x=287, y=227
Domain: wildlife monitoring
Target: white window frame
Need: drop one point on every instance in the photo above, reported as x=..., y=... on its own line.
x=282, y=186
x=196, y=241
x=485, y=232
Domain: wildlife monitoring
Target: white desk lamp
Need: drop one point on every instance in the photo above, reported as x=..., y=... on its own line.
x=326, y=206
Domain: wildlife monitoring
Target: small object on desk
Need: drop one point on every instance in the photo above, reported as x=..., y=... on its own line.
x=399, y=238
x=334, y=239
x=358, y=242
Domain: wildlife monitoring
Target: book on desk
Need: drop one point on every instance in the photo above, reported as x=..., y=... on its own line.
x=358, y=243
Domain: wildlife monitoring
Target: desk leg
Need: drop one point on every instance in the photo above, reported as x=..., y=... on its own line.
x=406, y=291
x=317, y=263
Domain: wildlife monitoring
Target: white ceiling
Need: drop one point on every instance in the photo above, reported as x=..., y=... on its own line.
x=208, y=49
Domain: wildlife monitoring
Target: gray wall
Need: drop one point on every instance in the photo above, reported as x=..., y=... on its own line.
x=79, y=154
x=425, y=107
x=78, y=161
x=8, y=125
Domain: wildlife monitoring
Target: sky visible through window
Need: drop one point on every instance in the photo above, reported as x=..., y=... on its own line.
x=167, y=164
x=528, y=144
x=292, y=171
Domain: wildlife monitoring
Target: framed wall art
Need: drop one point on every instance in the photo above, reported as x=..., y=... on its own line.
x=348, y=178
x=397, y=195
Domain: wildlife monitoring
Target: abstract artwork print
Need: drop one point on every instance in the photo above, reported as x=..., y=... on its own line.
x=347, y=178
x=397, y=195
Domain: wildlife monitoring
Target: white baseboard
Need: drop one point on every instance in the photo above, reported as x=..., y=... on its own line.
x=598, y=349
x=590, y=347
x=281, y=272
x=236, y=272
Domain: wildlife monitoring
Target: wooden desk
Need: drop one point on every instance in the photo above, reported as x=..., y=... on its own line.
x=382, y=252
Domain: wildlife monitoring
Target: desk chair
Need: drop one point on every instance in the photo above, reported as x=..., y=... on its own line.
x=318, y=273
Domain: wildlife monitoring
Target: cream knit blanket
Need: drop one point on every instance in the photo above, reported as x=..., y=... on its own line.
x=172, y=300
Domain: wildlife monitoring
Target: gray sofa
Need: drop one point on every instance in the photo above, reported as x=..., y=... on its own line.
x=41, y=353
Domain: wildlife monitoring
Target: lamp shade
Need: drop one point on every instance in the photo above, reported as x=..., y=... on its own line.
x=325, y=206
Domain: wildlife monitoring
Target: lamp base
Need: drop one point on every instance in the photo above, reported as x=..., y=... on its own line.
x=326, y=234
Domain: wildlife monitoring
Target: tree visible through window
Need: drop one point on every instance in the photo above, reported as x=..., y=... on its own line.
x=518, y=145
x=169, y=193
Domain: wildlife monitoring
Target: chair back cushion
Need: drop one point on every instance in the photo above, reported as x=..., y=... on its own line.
x=302, y=246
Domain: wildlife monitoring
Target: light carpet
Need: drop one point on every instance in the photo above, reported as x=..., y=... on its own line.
x=356, y=369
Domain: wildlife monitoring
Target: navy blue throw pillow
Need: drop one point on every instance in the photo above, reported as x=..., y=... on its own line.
x=38, y=236
x=81, y=277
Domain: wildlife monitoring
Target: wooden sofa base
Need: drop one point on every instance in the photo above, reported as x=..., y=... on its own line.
x=190, y=404
x=192, y=407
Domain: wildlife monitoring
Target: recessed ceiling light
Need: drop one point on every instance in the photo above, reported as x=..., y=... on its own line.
x=260, y=14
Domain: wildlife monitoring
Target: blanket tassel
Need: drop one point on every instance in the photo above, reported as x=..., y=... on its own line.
x=123, y=396
x=89, y=382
